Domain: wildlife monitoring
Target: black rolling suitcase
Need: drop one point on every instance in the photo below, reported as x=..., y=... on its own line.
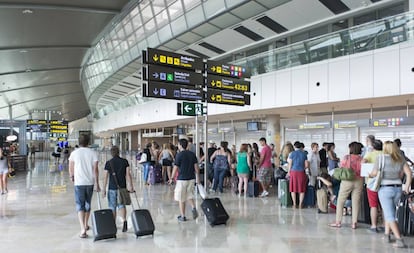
x=253, y=185
x=213, y=209
x=142, y=220
x=310, y=200
x=103, y=223
x=404, y=216
x=364, y=215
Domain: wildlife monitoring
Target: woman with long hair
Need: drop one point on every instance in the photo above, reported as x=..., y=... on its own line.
x=243, y=168
x=389, y=193
x=221, y=160
x=333, y=160
x=353, y=187
x=166, y=159
x=4, y=172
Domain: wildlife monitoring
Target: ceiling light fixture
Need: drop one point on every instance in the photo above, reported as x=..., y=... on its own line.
x=23, y=51
x=28, y=70
x=27, y=11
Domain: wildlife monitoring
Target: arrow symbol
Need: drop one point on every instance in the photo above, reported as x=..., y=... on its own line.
x=155, y=91
x=213, y=97
x=213, y=68
x=187, y=108
x=213, y=83
x=155, y=75
x=155, y=57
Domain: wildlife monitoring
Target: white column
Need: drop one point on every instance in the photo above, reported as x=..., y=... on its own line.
x=411, y=5
x=273, y=131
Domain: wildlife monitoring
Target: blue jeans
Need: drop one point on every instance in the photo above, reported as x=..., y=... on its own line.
x=113, y=200
x=83, y=197
x=146, y=171
x=389, y=197
x=219, y=179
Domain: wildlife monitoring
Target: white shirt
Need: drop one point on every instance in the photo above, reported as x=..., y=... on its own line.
x=84, y=160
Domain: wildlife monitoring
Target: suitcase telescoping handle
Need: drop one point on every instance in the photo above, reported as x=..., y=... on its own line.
x=132, y=202
x=98, y=197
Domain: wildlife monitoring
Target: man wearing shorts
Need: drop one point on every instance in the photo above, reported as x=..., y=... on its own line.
x=83, y=171
x=187, y=165
x=265, y=166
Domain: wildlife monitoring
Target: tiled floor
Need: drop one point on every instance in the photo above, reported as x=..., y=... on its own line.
x=38, y=215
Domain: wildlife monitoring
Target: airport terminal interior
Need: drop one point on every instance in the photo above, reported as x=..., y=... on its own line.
x=130, y=72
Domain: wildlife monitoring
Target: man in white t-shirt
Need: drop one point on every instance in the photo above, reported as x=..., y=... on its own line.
x=83, y=171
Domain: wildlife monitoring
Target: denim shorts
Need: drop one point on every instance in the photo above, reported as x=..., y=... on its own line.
x=4, y=171
x=83, y=197
x=113, y=200
x=389, y=197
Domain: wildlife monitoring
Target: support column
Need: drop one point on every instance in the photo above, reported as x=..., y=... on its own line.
x=273, y=131
x=410, y=5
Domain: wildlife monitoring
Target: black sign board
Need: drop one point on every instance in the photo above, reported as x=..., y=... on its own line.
x=59, y=126
x=37, y=125
x=224, y=69
x=160, y=57
x=172, y=91
x=227, y=97
x=227, y=83
x=172, y=75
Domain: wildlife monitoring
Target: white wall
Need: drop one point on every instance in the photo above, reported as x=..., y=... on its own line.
x=378, y=73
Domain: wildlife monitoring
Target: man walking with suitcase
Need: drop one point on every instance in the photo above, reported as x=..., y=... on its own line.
x=187, y=165
x=83, y=171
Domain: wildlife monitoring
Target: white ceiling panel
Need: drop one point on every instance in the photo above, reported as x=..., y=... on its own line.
x=272, y=3
x=203, y=50
x=175, y=44
x=189, y=38
x=258, y=28
x=225, y=21
x=298, y=13
x=228, y=40
x=352, y=4
x=249, y=10
x=206, y=30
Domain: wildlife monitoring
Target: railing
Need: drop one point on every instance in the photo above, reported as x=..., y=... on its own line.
x=366, y=37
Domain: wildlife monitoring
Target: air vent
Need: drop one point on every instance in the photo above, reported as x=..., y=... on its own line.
x=193, y=52
x=336, y=6
x=248, y=33
x=271, y=24
x=212, y=48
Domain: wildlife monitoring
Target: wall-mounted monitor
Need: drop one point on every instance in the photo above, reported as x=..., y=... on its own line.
x=253, y=126
x=180, y=130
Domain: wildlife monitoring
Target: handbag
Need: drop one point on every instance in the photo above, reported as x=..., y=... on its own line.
x=344, y=173
x=375, y=182
x=124, y=198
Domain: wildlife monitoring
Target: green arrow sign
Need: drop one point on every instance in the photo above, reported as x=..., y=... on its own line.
x=192, y=109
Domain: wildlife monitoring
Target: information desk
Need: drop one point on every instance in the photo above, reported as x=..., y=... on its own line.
x=18, y=162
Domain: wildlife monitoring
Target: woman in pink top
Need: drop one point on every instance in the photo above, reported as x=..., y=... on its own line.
x=354, y=187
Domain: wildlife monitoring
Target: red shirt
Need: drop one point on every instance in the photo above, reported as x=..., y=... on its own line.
x=266, y=153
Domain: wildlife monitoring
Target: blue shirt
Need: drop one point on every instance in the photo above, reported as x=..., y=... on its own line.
x=298, y=158
x=185, y=161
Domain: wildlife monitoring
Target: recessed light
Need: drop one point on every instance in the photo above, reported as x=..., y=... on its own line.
x=23, y=51
x=27, y=11
x=28, y=70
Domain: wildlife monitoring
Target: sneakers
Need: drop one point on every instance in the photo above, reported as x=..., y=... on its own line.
x=195, y=213
x=125, y=227
x=181, y=218
x=373, y=230
x=264, y=194
x=399, y=243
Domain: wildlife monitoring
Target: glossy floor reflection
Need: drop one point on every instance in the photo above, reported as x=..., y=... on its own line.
x=38, y=215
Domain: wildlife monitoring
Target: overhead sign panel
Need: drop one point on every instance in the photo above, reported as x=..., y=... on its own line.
x=315, y=125
x=172, y=75
x=161, y=57
x=393, y=122
x=172, y=91
x=227, y=97
x=36, y=125
x=59, y=126
x=227, y=83
x=225, y=69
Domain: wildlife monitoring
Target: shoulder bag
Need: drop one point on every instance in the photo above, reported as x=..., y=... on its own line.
x=124, y=198
x=375, y=182
x=345, y=173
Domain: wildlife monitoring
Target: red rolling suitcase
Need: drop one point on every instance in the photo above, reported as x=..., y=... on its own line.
x=142, y=220
x=103, y=222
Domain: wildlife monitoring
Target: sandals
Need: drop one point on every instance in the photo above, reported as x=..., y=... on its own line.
x=354, y=226
x=399, y=243
x=83, y=235
x=335, y=225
